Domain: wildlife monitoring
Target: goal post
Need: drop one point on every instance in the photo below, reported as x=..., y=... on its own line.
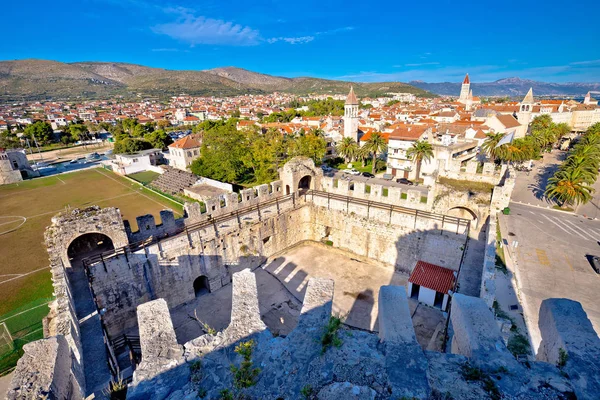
x=7, y=344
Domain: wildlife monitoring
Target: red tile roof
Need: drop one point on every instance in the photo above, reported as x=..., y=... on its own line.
x=187, y=142
x=432, y=277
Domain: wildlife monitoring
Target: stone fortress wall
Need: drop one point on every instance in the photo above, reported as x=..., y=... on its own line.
x=233, y=233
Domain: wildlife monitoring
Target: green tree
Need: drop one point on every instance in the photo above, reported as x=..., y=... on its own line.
x=222, y=155
x=131, y=146
x=41, y=130
x=347, y=148
x=159, y=139
x=490, y=145
x=129, y=125
x=569, y=186
x=375, y=145
x=420, y=151
x=78, y=132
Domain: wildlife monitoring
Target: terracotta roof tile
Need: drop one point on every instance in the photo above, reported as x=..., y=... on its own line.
x=432, y=277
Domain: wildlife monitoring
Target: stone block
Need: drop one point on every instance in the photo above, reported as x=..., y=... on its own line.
x=472, y=167
x=359, y=190
x=146, y=223
x=262, y=190
x=245, y=312
x=248, y=195
x=317, y=305
x=376, y=192
x=489, y=168
x=395, y=323
x=413, y=196
x=276, y=188
x=44, y=371
x=394, y=194
x=564, y=325
x=476, y=334
x=343, y=187
x=163, y=368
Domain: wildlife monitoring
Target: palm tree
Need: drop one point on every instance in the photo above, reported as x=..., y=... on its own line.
x=490, y=143
x=375, y=145
x=347, y=148
x=419, y=151
x=569, y=186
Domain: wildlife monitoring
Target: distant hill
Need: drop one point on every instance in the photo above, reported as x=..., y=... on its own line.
x=44, y=79
x=510, y=87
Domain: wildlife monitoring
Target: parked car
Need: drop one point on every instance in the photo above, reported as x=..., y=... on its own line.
x=404, y=181
x=368, y=175
x=596, y=264
x=325, y=168
x=351, y=171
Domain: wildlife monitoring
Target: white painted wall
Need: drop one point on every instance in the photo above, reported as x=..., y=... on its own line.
x=427, y=296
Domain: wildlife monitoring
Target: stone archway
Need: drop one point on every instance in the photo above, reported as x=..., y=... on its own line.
x=464, y=213
x=305, y=183
x=87, y=245
x=201, y=285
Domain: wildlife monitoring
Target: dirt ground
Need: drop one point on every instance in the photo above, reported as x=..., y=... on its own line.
x=282, y=284
x=69, y=153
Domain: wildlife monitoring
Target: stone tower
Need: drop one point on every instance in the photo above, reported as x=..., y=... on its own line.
x=465, y=90
x=351, y=116
x=525, y=109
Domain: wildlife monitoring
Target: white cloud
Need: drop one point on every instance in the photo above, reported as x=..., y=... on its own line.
x=292, y=40
x=202, y=30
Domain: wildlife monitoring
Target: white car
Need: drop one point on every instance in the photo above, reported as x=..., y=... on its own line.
x=351, y=171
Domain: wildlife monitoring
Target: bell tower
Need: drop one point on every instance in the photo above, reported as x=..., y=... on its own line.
x=465, y=89
x=351, y=116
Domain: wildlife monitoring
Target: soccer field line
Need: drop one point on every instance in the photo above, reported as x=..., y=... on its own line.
x=25, y=311
x=25, y=274
x=23, y=219
x=142, y=194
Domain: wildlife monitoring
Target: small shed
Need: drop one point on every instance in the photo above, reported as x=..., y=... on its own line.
x=431, y=284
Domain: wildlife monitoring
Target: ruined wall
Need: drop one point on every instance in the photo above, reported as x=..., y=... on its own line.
x=147, y=226
x=397, y=196
x=363, y=365
x=167, y=269
x=488, y=173
x=392, y=238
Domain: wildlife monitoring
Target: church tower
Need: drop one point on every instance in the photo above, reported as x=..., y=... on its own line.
x=465, y=89
x=525, y=110
x=351, y=116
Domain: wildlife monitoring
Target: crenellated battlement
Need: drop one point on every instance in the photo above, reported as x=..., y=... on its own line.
x=138, y=284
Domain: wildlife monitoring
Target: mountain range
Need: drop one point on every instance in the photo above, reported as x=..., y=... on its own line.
x=511, y=87
x=42, y=79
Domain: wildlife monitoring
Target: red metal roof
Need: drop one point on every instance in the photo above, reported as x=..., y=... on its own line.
x=432, y=277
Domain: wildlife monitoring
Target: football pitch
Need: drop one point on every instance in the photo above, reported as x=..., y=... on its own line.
x=26, y=210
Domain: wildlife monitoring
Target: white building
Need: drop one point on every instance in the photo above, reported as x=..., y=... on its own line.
x=401, y=139
x=431, y=284
x=145, y=160
x=184, y=151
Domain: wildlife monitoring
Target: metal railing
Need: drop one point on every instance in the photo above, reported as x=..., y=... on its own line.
x=306, y=194
x=189, y=229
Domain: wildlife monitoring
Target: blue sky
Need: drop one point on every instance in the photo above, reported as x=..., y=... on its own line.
x=396, y=40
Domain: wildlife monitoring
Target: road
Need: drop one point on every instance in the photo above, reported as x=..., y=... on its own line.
x=529, y=188
x=370, y=181
x=550, y=254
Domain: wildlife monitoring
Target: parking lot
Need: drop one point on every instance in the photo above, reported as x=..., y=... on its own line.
x=550, y=248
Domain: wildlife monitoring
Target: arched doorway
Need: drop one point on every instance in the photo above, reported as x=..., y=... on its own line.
x=304, y=183
x=201, y=286
x=464, y=213
x=88, y=245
